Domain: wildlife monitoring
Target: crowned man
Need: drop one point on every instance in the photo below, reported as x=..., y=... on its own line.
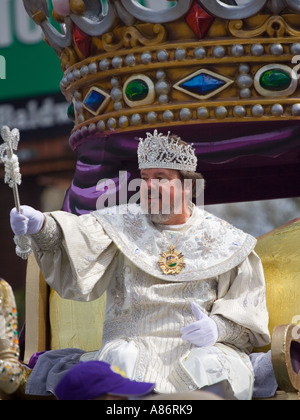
x=185, y=290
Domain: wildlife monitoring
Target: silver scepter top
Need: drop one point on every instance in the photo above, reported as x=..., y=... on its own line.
x=13, y=179
x=11, y=162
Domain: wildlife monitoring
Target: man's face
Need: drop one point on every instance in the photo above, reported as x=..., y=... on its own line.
x=161, y=193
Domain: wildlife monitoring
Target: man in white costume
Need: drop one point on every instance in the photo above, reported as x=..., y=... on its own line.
x=185, y=291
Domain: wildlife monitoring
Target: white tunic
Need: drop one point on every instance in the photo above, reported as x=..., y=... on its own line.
x=117, y=252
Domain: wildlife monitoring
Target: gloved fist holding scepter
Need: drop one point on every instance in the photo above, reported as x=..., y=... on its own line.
x=13, y=179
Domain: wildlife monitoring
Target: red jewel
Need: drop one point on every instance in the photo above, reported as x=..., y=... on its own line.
x=198, y=20
x=83, y=41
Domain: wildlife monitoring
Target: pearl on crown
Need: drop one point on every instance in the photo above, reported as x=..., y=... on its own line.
x=62, y=7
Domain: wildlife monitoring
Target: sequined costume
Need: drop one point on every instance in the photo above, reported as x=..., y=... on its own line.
x=117, y=251
x=10, y=368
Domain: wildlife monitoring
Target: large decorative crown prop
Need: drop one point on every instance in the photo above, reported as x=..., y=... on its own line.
x=128, y=67
x=159, y=151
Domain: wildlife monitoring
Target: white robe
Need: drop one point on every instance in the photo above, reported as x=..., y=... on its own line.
x=117, y=252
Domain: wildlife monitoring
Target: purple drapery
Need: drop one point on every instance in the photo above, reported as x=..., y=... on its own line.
x=240, y=161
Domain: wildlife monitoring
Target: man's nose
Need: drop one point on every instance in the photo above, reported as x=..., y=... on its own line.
x=154, y=186
x=150, y=183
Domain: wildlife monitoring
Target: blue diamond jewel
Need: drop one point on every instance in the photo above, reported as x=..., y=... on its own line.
x=202, y=84
x=94, y=100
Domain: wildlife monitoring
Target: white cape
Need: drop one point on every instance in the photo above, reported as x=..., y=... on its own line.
x=118, y=254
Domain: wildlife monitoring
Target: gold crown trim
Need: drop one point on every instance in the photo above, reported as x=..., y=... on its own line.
x=176, y=115
x=165, y=55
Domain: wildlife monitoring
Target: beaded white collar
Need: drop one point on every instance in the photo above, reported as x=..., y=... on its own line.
x=210, y=245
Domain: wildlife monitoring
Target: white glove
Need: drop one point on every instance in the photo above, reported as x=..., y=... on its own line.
x=203, y=332
x=28, y=222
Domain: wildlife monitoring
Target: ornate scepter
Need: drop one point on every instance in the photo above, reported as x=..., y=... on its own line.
x=13, y=179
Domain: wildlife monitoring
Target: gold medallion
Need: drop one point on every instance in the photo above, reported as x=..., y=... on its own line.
x=171, y=262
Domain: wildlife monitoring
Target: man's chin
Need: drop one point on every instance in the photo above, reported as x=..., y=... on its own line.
x=154, y=213
x=158, y=218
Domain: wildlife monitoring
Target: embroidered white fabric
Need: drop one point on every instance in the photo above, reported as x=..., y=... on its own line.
x=210, y=245
x=50, y=237
x=118, y=253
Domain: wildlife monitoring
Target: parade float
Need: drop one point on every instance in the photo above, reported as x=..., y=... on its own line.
x=223, y=75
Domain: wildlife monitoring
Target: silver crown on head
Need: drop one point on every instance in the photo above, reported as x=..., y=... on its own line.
x=160, y=151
